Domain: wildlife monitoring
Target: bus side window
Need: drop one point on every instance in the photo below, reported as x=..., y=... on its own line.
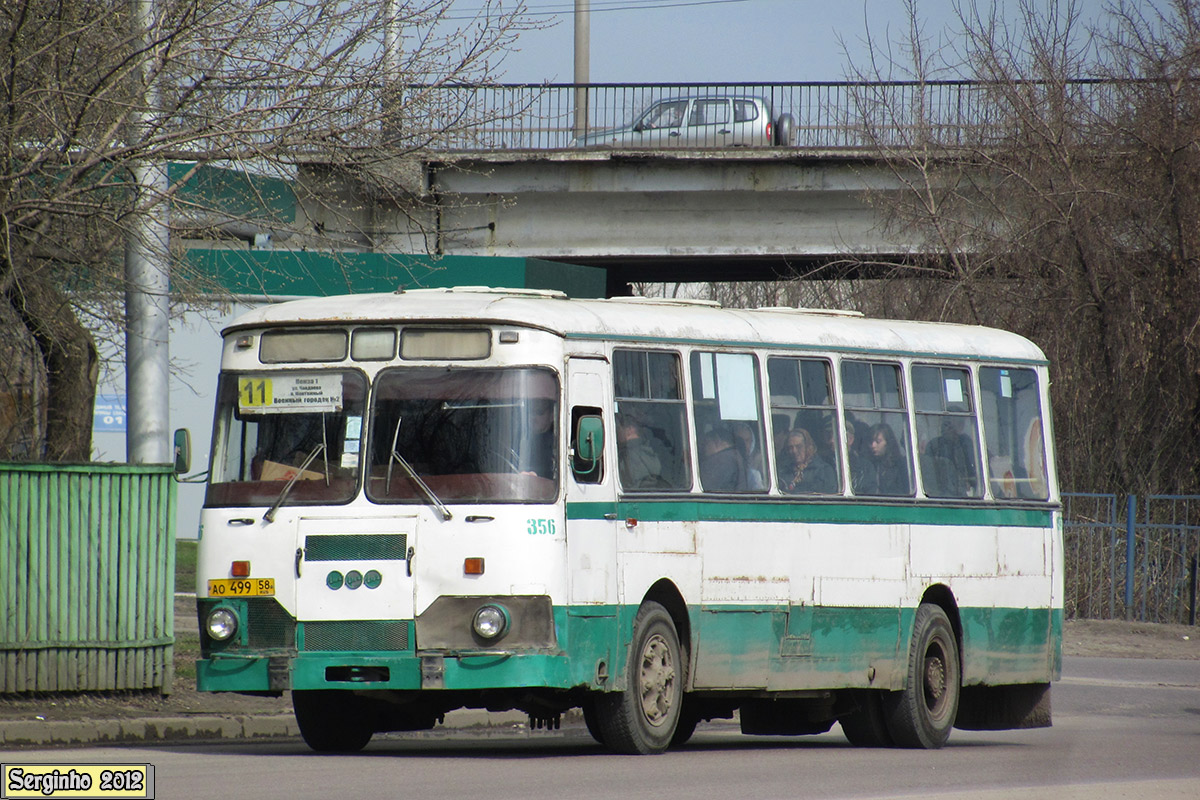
x=728, y=422
x=587, y=444
x=1012, y=427
x=874, y=400
x=947, y=438
x=651, y=425
x=804, y=429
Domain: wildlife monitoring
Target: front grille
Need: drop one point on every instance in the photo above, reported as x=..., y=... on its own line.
x=356, y=635
x=268, y=625
x=356, y=547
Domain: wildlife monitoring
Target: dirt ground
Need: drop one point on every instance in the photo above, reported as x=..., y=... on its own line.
x=1101, y=638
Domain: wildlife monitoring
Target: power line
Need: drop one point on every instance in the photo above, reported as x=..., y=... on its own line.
x=611, y=5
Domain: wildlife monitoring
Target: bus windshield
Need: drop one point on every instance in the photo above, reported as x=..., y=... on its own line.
x=273, y=427
x=473, y=435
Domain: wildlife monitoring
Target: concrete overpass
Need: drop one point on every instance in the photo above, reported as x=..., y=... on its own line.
x=666, y=215
x=680, y=215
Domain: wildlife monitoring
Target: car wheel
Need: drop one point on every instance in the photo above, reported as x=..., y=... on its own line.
x=785, y=130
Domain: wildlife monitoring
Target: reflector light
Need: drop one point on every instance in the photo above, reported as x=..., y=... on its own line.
x=472, y=566
x=240, y=569
x=244, y=342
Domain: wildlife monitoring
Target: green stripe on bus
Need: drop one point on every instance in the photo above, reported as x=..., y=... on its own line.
x=696, y=510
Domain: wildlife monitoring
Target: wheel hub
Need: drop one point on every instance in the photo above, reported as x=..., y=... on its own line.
x=657, y=680
x=935, y=680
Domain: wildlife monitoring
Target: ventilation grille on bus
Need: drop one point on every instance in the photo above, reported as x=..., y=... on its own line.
x=351, y=635
x=356, y=547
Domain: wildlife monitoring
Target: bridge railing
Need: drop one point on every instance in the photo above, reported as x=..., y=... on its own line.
x=826, y=115
x=484, y=117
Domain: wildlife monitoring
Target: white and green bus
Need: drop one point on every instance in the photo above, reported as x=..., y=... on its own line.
x=658, y=512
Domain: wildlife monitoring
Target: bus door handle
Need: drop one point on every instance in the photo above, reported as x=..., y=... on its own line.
x=411, y=552
x=299, y=558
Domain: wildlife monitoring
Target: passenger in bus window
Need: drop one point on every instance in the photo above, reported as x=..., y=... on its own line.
x=801, y=468
x=747, y=445
x=857, y=467
x=541, y=445
x=639, y=466
x=721, y=465
x=957, y=451
x=886, y=472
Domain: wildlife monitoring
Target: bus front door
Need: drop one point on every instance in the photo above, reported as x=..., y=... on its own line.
x=353, y=576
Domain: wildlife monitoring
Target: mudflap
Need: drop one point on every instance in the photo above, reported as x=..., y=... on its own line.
x=1002, y=708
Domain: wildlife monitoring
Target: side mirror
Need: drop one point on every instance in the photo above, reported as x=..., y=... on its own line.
x=183, y=451
x=589, y=443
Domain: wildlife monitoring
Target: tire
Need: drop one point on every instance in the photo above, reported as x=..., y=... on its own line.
x=332, y=721
x=688, y=720
x=642, y=720
x=866, y=725
x=785, y=130
x=922, y=715
x=591, y=721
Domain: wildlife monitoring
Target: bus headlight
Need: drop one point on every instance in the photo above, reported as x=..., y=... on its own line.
x=490, y=622
x=221, y=624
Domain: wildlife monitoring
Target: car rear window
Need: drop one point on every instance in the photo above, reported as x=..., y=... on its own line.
x=744, y=110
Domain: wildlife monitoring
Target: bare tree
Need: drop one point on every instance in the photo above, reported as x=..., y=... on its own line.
x=252, y=85
x=1068, y=210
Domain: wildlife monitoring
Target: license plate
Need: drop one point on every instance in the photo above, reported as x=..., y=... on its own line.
x=242, y=587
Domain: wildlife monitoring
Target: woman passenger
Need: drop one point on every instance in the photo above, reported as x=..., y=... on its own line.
x=801, y=469
x=886, y=467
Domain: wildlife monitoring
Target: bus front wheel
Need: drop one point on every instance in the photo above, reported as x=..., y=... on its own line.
x=865, y=725
x=922, y=715
x=642, y=719
x=331, y=721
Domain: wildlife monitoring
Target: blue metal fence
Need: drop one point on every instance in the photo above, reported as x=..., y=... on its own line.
x=1132, y=558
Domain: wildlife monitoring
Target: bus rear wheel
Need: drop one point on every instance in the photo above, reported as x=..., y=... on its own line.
x=642, y=719
x=922, y=715
x=331, y=721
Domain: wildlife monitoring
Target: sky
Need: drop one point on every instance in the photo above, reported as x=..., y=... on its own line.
x=647, y=41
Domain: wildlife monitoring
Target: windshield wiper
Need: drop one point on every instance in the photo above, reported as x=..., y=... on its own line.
x=395, y=457
x=287, y=488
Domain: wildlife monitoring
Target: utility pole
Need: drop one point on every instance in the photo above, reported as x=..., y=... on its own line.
x=147, y=274
x=583, y=70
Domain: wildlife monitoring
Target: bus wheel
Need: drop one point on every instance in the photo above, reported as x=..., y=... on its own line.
x=591, y=720
x=331, y=721
x=922, y=715
x=866, y=726
x=689, y=718
x=642, y=719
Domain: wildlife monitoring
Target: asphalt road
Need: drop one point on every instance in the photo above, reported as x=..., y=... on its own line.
x=1123, y=728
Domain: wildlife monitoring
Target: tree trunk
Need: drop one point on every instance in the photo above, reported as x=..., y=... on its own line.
x=71, y=360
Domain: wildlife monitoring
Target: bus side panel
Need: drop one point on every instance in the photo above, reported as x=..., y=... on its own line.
x=1002, y=580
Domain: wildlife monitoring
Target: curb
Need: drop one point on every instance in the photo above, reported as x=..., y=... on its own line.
x=27, y=734
x=59, y=733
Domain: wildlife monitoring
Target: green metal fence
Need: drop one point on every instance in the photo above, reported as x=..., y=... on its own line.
x=87, y=561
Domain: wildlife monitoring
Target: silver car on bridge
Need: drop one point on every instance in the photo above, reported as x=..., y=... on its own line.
x=699, y=122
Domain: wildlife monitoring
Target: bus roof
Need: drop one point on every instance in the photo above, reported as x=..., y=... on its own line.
x=651, y=320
